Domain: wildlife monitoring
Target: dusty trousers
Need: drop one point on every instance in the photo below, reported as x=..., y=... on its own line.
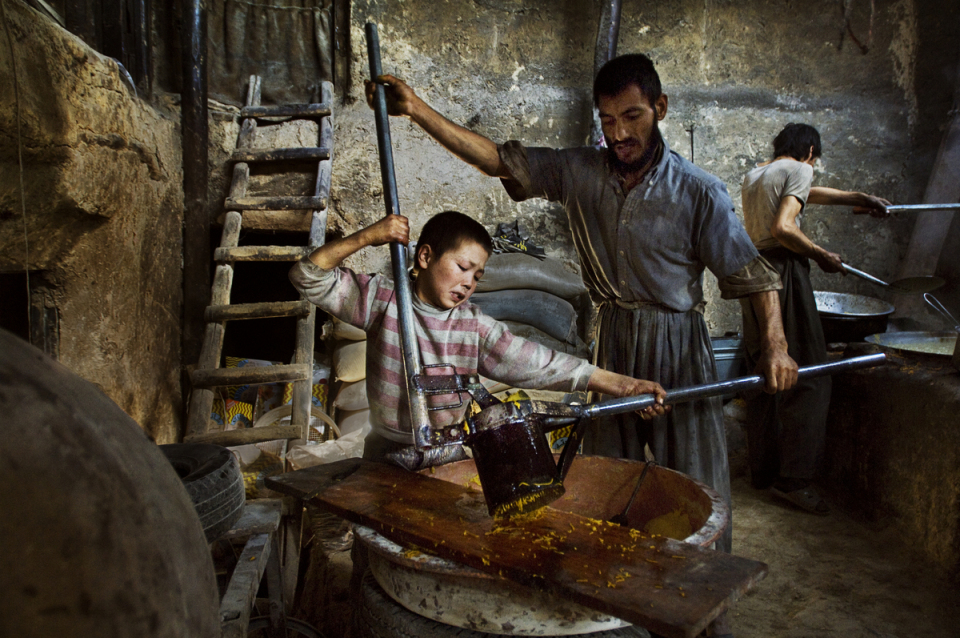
x=786, y=431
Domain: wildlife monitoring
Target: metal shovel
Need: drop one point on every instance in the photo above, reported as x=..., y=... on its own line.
x=907, y=285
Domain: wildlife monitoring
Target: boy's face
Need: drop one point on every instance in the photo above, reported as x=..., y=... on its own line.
x=447, y=280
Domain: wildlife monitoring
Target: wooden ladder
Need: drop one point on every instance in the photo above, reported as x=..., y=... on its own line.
x=257, y=213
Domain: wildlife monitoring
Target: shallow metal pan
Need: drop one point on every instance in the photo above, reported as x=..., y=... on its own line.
x=940, y=344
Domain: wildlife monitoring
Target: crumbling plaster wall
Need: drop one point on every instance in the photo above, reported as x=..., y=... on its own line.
x=102, y=210
x=735, y=72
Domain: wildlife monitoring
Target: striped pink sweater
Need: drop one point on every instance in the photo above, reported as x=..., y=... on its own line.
x=463, y=337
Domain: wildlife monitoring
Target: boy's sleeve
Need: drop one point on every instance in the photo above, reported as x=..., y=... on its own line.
x=518, y=362
x=348, y=296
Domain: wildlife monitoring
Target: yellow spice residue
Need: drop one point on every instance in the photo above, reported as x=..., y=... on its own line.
x=675, y=524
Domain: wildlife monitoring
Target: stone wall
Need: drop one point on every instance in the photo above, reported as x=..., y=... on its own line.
x=101, y=209
x=735, y=74
x=892, y=451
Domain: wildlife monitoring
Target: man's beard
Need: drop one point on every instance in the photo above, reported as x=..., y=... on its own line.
x=645, y=158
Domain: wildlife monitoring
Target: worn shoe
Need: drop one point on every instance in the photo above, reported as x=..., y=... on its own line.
x=805, y=498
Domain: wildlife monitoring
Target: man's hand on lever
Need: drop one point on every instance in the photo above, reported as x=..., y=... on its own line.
x=777, y=368
x=400, y=97
x=775, y=364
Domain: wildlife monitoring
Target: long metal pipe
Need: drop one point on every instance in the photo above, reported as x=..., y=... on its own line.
x=753, y=382
x=195, y=141
x=921, y=208
x=419, y=418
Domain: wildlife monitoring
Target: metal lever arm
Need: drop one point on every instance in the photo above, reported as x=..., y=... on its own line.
x=419, y=419
x=629, y=404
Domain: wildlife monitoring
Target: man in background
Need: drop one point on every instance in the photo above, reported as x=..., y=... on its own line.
x=786, y=430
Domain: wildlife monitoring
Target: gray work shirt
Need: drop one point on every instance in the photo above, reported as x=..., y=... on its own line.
x=646, y=246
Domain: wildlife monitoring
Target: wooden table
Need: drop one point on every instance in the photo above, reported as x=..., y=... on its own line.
x=667, y=586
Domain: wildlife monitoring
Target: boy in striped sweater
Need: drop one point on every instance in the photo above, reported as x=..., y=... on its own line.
x=449, y=261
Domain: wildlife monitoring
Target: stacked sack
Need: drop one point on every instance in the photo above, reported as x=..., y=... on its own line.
x=350, y=366
x=538, y=299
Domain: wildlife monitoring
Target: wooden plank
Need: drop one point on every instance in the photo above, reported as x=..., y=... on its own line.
x=292, y=221
x=280, y=202
x=244, y=436
x=288, y=110
x=241, y=592
x=261, y=253
x=260, y=516
x=318, y=225
x=303, y=354
x=261, y=310
x=249, y=375
x=669, y=587
x=295, y=154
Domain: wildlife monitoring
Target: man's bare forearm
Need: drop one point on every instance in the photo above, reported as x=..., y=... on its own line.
x=766, y=305
x=779, y=370
x=836, y=197
x=472, y=148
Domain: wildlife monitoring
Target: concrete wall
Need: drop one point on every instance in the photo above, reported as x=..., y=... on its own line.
x=735, y=73
x=101, y=209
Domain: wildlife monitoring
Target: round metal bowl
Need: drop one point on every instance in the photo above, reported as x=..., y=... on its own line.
x=841, y=304
x=846, y=317
x=597, y=487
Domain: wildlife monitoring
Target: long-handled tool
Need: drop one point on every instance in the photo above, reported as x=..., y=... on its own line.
x=939, y=307
x=515, y=465
x=907, y=285
x=621, y=518
x=398, y=252
x=431, y=446
x=921, y=208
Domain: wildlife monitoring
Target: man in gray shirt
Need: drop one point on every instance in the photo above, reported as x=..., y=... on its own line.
x=786, y=431
x=645, y=224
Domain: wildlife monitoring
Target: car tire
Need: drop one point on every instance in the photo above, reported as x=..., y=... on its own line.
x=212, y=478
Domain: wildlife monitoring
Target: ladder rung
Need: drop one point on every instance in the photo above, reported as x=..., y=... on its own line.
x=295, y=154
x=287, y=110
x=250, y=375
x=291, y=202
x=296, y=221
x=261, y=253
x=262, y=310
x=244, y=436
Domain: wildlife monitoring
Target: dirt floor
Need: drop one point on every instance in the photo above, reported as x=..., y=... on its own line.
x=829, y=576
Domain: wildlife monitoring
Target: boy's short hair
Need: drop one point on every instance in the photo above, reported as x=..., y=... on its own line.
x=624, y=71
x=795, y=141
x=447, y=230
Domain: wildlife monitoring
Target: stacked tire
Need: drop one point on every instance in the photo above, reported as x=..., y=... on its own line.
x=212, y=478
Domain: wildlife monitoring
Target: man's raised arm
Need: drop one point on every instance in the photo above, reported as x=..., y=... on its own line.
x=472, y=148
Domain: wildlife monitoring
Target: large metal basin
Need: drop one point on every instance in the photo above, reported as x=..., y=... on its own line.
x=596, y=487
x=846, y=317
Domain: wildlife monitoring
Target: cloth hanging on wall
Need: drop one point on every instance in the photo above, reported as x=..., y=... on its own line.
x=287, y=42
